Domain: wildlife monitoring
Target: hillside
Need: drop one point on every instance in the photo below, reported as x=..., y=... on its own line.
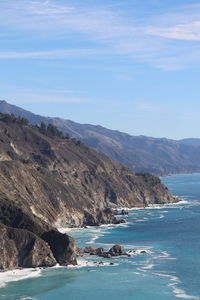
x=158, y=156
x=48, y=181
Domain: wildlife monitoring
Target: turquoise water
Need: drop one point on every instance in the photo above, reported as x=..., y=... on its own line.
x=169, y=270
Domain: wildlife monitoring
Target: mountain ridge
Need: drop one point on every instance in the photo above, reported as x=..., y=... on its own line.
x=160, y=156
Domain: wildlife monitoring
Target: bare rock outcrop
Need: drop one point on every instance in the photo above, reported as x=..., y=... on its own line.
x=116, y=250
x=62, y=246
x=28, y=241
x=21, y=248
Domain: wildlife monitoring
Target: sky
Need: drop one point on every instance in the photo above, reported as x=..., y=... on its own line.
x=128, y=65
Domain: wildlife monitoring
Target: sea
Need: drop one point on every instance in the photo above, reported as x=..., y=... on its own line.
x=164, y=242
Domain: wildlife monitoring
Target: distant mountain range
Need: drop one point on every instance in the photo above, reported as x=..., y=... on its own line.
x=159, y=156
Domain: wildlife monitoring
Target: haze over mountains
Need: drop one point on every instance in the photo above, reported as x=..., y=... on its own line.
x=160, y=156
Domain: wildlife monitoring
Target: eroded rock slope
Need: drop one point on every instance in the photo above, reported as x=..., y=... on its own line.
x=49, y=181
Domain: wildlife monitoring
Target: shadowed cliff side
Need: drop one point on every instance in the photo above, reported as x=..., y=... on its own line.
x=28, y=241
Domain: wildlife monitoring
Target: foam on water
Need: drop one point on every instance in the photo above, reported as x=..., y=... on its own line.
x=27, y=298
x=111, y=226
x=148, y=267
x=178, y=292
x=157, y=206
x=16, y=275
x=93, y=239
x=164, y=256
x=69, y=229
x=82, y=263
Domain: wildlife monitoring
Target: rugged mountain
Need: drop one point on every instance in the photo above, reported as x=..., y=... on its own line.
x=139, y=153
x=190, y=141
x=48, y=181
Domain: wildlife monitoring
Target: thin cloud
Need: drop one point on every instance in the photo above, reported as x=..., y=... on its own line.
x=105, y=31
x=56, y=19
x=124, y=77
x=148, y=107
x=47, y=8
x=187, y=32
x=60, y=53
x=42, y=98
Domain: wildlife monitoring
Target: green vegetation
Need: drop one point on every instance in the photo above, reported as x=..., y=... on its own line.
x=51, y=131
x=10, y=118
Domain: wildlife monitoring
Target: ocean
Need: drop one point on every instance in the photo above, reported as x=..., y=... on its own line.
x=169, y=268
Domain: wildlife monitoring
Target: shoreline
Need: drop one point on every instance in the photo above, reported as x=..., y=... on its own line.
x=178, y=174
x=152, y=264
x=18, y=274
x=7, y=276
x=151, y=206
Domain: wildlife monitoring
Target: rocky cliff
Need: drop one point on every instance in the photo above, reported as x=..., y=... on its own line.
x=49, y=181
x=28, y=241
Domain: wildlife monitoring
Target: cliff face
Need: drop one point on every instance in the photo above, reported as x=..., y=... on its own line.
x=62, y=181
x=47, y=181
x=28, y=241
x=21, y=248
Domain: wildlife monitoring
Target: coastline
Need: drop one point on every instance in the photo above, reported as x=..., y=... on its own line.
x=7, y=276
x=158, y=269
x=178, y=174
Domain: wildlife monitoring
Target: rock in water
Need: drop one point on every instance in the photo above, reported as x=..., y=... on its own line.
x=62, y=246
x=116, y=250
x=89, y=250
x=100, y=251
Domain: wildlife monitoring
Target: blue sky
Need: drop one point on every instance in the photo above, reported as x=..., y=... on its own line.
x=129, y=65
